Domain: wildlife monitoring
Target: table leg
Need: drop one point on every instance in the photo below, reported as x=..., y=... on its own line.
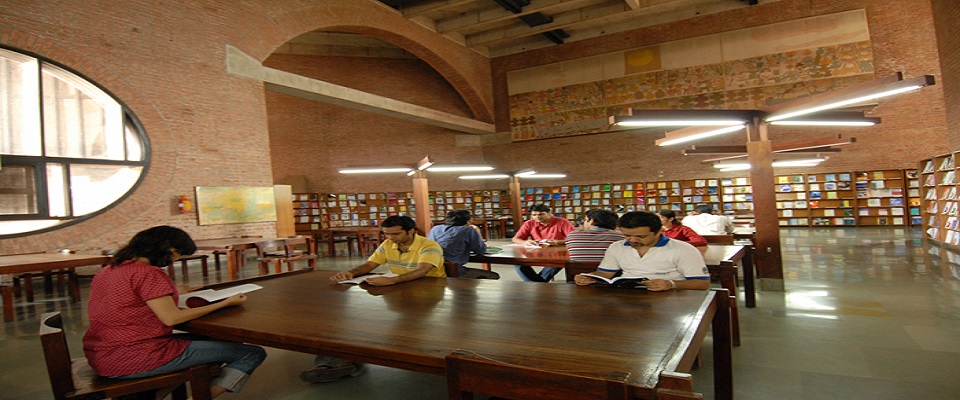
x=360, y=245
x=749, y=282
x=722, y=349
x=234, y=260
x=7, y=302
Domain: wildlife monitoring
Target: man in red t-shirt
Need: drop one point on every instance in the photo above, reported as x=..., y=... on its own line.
x=541, y=228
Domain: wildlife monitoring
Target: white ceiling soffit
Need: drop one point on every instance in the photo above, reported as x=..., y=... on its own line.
x=241, y=64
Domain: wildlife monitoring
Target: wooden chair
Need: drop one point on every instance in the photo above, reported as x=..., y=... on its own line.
x=469, y=373
x=719, y=239
x=279, y=251
x=452, y=269
x=183, y=263
x=572, y=268
x=332, y=239
x=75, y=379
x=370, y=243
x=216, y=253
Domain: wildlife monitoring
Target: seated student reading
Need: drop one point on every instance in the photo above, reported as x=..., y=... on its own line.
x=673, y=229
x=132, y=311
x=646, y=253
x=410, y=257
x=458, y=240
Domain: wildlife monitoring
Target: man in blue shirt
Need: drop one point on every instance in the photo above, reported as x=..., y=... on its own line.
x=458, y=240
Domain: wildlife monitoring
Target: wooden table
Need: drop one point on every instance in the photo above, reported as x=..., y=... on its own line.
x=234, y=249
x=655, y=337
x=359, y=231
x=550, y=256
x=39, y=262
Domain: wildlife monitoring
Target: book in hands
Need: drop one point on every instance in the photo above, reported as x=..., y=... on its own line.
x=363, y=278
x=201, y=298
x=620, y=282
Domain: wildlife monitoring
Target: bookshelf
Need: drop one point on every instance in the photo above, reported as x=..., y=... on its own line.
x=880, y=198
x=832, y=199
x=307, y=214
x=700, y=191
x=792, y=202
x=481, y=203
x=736, y=195
x=914, y=203
x=363, y=209
x=664, y=195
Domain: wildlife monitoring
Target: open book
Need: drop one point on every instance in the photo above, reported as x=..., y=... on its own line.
x=620, y=282
x=363, y=278
x=203, y=297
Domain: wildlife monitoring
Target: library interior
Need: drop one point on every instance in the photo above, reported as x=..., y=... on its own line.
x=280, y=135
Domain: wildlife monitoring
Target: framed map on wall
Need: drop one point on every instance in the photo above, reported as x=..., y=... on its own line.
x=233, y=205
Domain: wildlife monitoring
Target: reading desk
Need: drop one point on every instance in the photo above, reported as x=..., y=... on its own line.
x=39, y=262
x=234, y=248
x=654, y=337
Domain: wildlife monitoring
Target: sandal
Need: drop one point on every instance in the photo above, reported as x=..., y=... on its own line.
x=327, y=373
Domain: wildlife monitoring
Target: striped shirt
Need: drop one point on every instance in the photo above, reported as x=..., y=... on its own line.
x=590, y=245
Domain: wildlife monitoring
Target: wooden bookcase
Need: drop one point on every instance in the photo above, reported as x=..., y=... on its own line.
x=792, y=204
x=307, y=214
x=736, y=196
x=831, y=199
x=364, y=209
x=481, y=203
x=881, y=198
x=700, y=191
x=914, y=204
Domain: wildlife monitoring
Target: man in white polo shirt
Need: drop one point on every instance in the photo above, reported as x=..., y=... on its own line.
x=666, y=263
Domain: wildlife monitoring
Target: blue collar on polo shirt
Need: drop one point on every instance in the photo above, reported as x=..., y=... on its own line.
x=660, y=243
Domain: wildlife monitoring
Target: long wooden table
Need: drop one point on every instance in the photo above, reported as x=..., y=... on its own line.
x=717, y=256
x=655, y=337
x=39, y=262
x=234, y=249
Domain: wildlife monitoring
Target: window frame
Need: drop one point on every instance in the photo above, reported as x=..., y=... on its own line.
x=40, y=163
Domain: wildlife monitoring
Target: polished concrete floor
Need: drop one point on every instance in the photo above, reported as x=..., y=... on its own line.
x=868, y=313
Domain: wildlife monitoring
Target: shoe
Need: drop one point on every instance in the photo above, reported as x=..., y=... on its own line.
x=326, y=373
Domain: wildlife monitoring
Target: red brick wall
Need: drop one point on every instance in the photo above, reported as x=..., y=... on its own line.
x=914, y=124
x=946, y=18
x=207, y=128
x=314, y=140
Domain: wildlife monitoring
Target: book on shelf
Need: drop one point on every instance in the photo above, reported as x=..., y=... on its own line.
x=896, y=201
x=947, y=163
x=620, y=282
x=928, y=167
x=201, y=298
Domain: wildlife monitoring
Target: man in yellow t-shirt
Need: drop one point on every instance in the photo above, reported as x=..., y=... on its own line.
x=408, y=255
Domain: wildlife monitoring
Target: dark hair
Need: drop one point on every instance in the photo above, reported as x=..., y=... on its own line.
x=154, y=244
x=540, y=208
x=458, y=217
x=638, y=219
x=603, y=218
x=704, y=209
x=404, y=222
x=669, y=215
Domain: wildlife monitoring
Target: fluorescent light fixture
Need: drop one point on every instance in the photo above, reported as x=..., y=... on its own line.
x=694, y=133
x=424, y=163
x=801, y=122
x=373, y=170
x=526, y=172
x=830, y=119
x=494, y=176
x=850, y=95
x=461, y=168
x=680, y=122
x=412, y=172
x=643, y=118
x=544, y=176
x=806, y=162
